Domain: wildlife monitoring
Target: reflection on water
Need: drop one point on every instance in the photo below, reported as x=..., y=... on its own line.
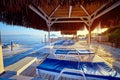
x=21, y=39
x=27, y=41
x=12, y=59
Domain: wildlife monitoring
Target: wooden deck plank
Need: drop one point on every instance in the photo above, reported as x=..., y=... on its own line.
x=47, y=76
x=21, y=65
x=63, y=78
x=30, y=71
x=43, y=75
x=20, y=77
x=52, y=77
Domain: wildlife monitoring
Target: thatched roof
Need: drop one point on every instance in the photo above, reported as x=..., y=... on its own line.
x=61, y=15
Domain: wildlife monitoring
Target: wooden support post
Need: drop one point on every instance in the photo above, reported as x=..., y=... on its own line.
x=89, y=37
x=1, y=57
x=49, y=26
x=49, y=35
x=89, y=33
x=45, y=38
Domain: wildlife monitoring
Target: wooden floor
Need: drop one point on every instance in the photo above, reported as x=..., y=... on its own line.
x=30, y=74
x=21, y=65
x=20, y=77
x=30, y=71
x=52, y=77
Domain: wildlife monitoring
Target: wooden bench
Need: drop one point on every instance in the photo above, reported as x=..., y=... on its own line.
x=21, y=65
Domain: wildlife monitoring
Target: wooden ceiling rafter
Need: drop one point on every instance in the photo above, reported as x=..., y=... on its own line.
x=56, y=8
x=88, y=21
x=70, y=11
x=43, y=13
x=51, y=14
x=54, y=11
x=73, y=32
x=85, y=10
x=92, y=16
x=108, y=9
x=37, y=12
x=69, y=18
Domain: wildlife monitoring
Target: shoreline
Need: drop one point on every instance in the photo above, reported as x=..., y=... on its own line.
x=7, y=53
x=16, y=50
x=26, y=51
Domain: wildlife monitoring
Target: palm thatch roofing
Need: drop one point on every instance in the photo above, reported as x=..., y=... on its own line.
x=67, y=16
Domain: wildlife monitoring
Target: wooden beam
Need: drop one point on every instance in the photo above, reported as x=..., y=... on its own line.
x=37, y=12
x=108, y=9
x=54, y=10
x=94, y=13
x=70, y=21
x=70, y=11
x=68, y=17
x=43, y=12
x=84, y=10
x=86, y=22
x=49, y=27
x=52, y=22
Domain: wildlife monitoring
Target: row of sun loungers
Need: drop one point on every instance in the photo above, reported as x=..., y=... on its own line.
x=77, y=70
x=68, y=64
x=60, y=66
x=83, y=55
x=65, y=42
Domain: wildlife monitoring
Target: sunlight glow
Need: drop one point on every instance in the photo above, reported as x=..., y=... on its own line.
x=83, y=32
x=99, y=30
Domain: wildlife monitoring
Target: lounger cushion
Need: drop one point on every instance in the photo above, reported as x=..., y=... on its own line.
x=97, y=69
x=75, y=52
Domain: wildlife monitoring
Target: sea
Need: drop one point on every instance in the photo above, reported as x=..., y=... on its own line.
x=28, y=41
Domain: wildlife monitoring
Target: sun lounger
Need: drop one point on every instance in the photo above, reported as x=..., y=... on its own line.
x=73, y=54
x=71, y=70
x=65, y=43
x=96, y=70
x=21, y=65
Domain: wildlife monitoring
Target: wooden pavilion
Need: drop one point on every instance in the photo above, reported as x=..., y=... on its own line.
x=66, y=16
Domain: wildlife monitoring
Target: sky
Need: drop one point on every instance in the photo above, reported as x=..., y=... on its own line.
x=6, y=29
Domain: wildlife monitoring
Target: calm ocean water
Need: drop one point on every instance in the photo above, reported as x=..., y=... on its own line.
x=21, y=39
x=34, y=42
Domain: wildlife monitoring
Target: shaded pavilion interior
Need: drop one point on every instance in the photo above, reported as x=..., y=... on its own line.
x=66, y=16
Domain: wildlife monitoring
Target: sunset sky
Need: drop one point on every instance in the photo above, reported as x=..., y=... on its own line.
x=20, y=30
